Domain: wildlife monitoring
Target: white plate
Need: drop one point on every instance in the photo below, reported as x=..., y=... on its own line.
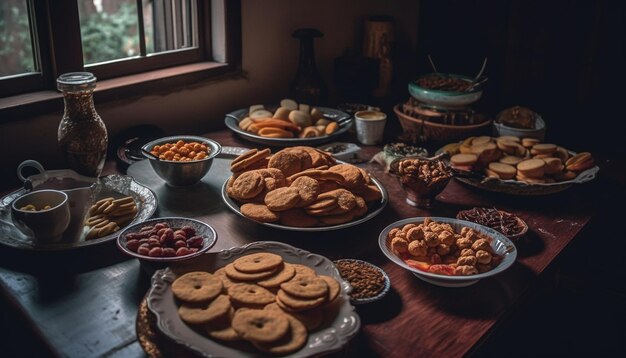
x=343, y=119
x=373, y=209
x=500, y=244
x=333, y=335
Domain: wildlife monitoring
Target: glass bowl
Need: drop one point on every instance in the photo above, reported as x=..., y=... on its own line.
x=421, y=188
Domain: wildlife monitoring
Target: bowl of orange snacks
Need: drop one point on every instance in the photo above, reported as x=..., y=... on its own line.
x=181, y=160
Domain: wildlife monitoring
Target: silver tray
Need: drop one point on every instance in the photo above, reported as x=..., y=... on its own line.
x=372, y=212
x=343, y=119
x=333, y=336
x=85, y=192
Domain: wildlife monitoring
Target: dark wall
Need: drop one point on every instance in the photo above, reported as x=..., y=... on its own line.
x=563, y=59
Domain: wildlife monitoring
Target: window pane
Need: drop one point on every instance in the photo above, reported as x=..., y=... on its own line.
x=16, y=45
x=170, y=24
x=109, y=29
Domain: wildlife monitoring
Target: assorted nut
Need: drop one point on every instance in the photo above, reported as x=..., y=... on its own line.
x=366, y=280
x=159, y=240
x=430, y=172
x=108, y=215
x=437, y=248
x=506, y=223
x=181, y=151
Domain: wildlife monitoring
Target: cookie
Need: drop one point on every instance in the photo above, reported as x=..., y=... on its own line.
x=504, y=171
x=285, y=274
x=259, y=212
x=233, y=274
x=318, y=175
x=337, y=219
x=226, y=281
x=543, y=148
x=295, y=339
x=305, y=286
x=333, y=287
x=369, y=193
x=511, y=160
x=282, y=199
x=360, y=208
x=531, y=168
x=296, y=304
x=221, y=329
x=250, y=294
x=206, y=312
x=248, y=185
x=257, y=262
x=308, y=189
x=290, y=161
x=351, y=174
x=260, y=326
x=323, y=203
x=463, y=160
x=303, y=270
x=248, y=158
x=297, y=218
x=311, y=319
x=197, y=287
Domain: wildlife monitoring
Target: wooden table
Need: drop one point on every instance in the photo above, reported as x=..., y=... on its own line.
x=84, y=303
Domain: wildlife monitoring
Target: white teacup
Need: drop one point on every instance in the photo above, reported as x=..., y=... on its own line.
x=42, y=224
x=370, y=126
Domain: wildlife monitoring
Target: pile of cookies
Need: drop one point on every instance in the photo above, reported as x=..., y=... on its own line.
x=290, y=120
x=436, y=247
x=258, y=298
x=300, y=187
x=512, y=158
x=108, y=215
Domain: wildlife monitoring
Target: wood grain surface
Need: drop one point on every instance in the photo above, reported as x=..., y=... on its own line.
x=84, y=303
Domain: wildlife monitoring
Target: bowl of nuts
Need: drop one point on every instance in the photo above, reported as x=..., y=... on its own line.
x=181, y=160
x=508, y=224
x=369, y=282
x=421, y=178
x=167, y=239
x=445, y=90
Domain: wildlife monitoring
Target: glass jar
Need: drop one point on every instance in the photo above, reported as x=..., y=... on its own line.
x=308, y=86
x=82, y=135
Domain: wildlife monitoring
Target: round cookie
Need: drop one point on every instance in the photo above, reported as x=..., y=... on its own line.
x=464, y=160
x=351, y=174
x=287, y=161
x=337, y=219
x=197, y=287
x=284, y=275
x=511, y=160
x=260, y=325
x=258, y=262
x=295, y=339
x=205, y=313
x=250, y=294
x=504, y=171
x=308, y=189
x=333, y=287
x=221, y=328
x=248, y=185
x=226, y=281
x=248, y=158
x=308, y=287
x=312, y=319
x=297, y=218
x=531, y=168
x=303, y=270
x=282, y=199
x=233, y=274
x=292, y=303
x=259, y=212
x=361, y=207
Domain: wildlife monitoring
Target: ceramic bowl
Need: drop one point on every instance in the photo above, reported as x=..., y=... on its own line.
x=539, y=132
x=182, y=173
x=445, y=99
x=42, y=224
x=499, y=243
x=381, y=294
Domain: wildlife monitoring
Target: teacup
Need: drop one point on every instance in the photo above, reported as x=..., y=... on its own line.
x=50, y=217
x=370, y=126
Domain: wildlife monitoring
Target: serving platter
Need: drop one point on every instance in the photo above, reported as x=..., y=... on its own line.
x=344, y=120
x=82, y=194
x=373, y=210
x=333, y=336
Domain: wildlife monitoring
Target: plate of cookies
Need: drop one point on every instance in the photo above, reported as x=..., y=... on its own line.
x=289, y=123
x=520, y=166
x=302, y=189
x=265, y=298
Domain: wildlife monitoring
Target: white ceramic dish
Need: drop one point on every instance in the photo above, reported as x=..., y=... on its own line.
x=500, y=245
x=333, y=336
x=343, y=119
x=539, y=132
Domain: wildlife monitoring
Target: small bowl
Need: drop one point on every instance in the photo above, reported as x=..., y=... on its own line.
x=45, y=224
x=206, y=231
x=182, y=173
x=521, y=223
x=418, y=192
x=500, y=245
x=539, y=132
x=381, y=294
x=445, y=99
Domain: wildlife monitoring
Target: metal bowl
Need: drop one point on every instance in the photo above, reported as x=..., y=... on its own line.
x=182, y=173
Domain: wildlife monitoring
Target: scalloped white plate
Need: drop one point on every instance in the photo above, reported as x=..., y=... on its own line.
x=333, y=336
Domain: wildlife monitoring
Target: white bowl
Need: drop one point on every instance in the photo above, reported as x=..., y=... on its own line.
x=539, y=132
x=43, y=224
x=500, y=244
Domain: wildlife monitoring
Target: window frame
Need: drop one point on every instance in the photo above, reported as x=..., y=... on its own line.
x=59, y=50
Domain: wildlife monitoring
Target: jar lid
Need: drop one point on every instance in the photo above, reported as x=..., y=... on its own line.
x=73, y=81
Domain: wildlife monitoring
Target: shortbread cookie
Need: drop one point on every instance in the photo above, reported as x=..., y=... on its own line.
x=306, y=287
x=197, y=287
x=260, y=325
x=205, y=313
x=250, y=294
x=257, y=262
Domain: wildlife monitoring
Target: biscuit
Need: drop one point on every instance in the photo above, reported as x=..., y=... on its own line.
x=206, y=312
x=303, y=270
x=248, y=185
x=543, y=148
x=297, y=218
x=481, y=140
x=360, y=208
x=290, y=104
x=323, y=203
x=300, y=118
x=248, y=158
x=509, y=138
x=529, y=142
x=258, y=262
x=531, y=168
x=579, y=162
x=260, y=325
x=351, y=174
x=308, y=189
x=233, y=274
x=311, y=319
x=197, y=287
x=250, y=294
x=553, y=165
x=282, y=113
x=293, y=340
x=305, y=286
x=226, y=281
x=318, y=175
x=504, y=171
x=464, y=160
x=259, y=212
x=333, y=287
x=221, y=328
x=285, y=274
x=296, y=304
x=507, y=146
x=511, y=160
x=282, y=199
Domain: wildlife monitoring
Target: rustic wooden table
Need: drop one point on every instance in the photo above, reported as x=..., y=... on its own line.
x=84, y=303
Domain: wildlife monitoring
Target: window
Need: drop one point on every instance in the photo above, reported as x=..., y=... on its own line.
x=41, y=39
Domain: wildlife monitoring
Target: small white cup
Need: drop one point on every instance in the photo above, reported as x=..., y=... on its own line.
x=370, y=126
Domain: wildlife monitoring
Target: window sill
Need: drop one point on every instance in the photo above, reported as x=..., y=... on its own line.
x=35, y=103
